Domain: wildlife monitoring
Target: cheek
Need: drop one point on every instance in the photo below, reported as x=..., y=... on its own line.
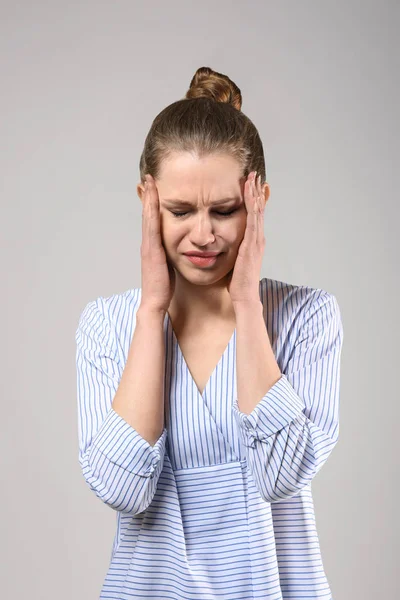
x=237, y=229
x=171, y=234
x=166, y=227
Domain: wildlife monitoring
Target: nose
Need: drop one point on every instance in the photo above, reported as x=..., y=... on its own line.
x=202, y=232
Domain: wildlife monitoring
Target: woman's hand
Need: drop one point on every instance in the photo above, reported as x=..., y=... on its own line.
x=245, y=278
x=158, y=277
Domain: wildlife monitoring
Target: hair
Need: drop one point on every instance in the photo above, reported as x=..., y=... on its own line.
x=207, y=121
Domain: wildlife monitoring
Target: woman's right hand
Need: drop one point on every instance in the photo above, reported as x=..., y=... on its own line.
x=158, y=276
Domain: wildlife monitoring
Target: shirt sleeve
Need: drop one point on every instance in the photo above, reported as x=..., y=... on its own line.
x=118, y=464
x=293, y=429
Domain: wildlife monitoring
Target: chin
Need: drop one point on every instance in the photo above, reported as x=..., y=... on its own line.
x=203, y=276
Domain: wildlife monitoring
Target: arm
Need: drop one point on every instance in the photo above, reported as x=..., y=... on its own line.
x=121, y=452
x=140, y=395
x=256, y=366
x=291, y=431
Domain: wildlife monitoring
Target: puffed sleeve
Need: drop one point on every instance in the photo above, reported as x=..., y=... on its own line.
x=118, y=464
x=292, y=430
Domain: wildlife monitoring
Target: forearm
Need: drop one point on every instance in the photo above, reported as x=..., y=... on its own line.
x=140, y=395
x=256, y=367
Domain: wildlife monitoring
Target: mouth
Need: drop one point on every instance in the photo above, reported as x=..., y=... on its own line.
x=203, y=260
x=202, y=254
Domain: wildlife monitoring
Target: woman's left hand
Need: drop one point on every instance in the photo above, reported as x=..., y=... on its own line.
x=245, y=278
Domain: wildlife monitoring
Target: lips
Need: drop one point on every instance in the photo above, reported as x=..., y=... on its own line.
x=202, y=261
x=203, y=254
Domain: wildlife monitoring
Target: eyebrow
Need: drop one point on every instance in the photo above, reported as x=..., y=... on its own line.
x=185, y=203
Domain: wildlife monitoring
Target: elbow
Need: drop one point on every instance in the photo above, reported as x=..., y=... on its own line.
x=121, y=490
x=283, y=490
x=287, y=480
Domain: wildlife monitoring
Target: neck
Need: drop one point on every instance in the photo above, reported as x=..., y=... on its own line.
x=192, y=303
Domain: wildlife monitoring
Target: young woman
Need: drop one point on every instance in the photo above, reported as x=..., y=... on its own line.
x=208, y=399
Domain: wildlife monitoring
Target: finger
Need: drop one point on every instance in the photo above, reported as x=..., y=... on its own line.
x=145, y=219
x=251, y=224
x=151, y=213
x=259, y=192
x=260, y=232
x=256, y=205
x=154, y=206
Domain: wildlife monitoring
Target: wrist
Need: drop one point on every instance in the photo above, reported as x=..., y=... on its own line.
x=247, y=305
x=149, y=312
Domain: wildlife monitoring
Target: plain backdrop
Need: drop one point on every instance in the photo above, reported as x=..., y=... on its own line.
x=81, y=83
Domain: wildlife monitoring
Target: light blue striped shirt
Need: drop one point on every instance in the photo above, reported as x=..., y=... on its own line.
x=221, y=506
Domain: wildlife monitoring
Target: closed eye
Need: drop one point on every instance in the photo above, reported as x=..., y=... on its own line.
x=222, y=214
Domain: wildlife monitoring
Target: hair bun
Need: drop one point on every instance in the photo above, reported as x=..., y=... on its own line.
x=207, y=83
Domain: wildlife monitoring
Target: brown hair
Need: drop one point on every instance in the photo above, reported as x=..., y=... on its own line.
x=207, y=121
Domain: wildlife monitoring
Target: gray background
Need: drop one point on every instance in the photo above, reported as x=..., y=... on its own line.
x=80, y=84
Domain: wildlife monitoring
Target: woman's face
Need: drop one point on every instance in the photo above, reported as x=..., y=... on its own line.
x=201, y=209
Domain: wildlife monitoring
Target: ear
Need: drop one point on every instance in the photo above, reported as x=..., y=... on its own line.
x=140, y=191
x=266, y=192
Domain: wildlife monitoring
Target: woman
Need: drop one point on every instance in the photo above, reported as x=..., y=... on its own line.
x=208, y=399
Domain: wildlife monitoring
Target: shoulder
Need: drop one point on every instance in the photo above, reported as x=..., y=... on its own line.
x=279, y=293
x=288, y=305
x=115, y=313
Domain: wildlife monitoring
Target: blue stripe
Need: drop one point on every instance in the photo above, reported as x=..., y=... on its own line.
x=221, y=506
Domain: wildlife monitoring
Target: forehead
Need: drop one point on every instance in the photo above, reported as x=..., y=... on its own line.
x=212, y=179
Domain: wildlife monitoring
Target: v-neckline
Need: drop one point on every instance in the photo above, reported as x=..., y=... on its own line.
x=202, y=395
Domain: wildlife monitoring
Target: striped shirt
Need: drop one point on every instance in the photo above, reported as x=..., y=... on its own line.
x=221, y=506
